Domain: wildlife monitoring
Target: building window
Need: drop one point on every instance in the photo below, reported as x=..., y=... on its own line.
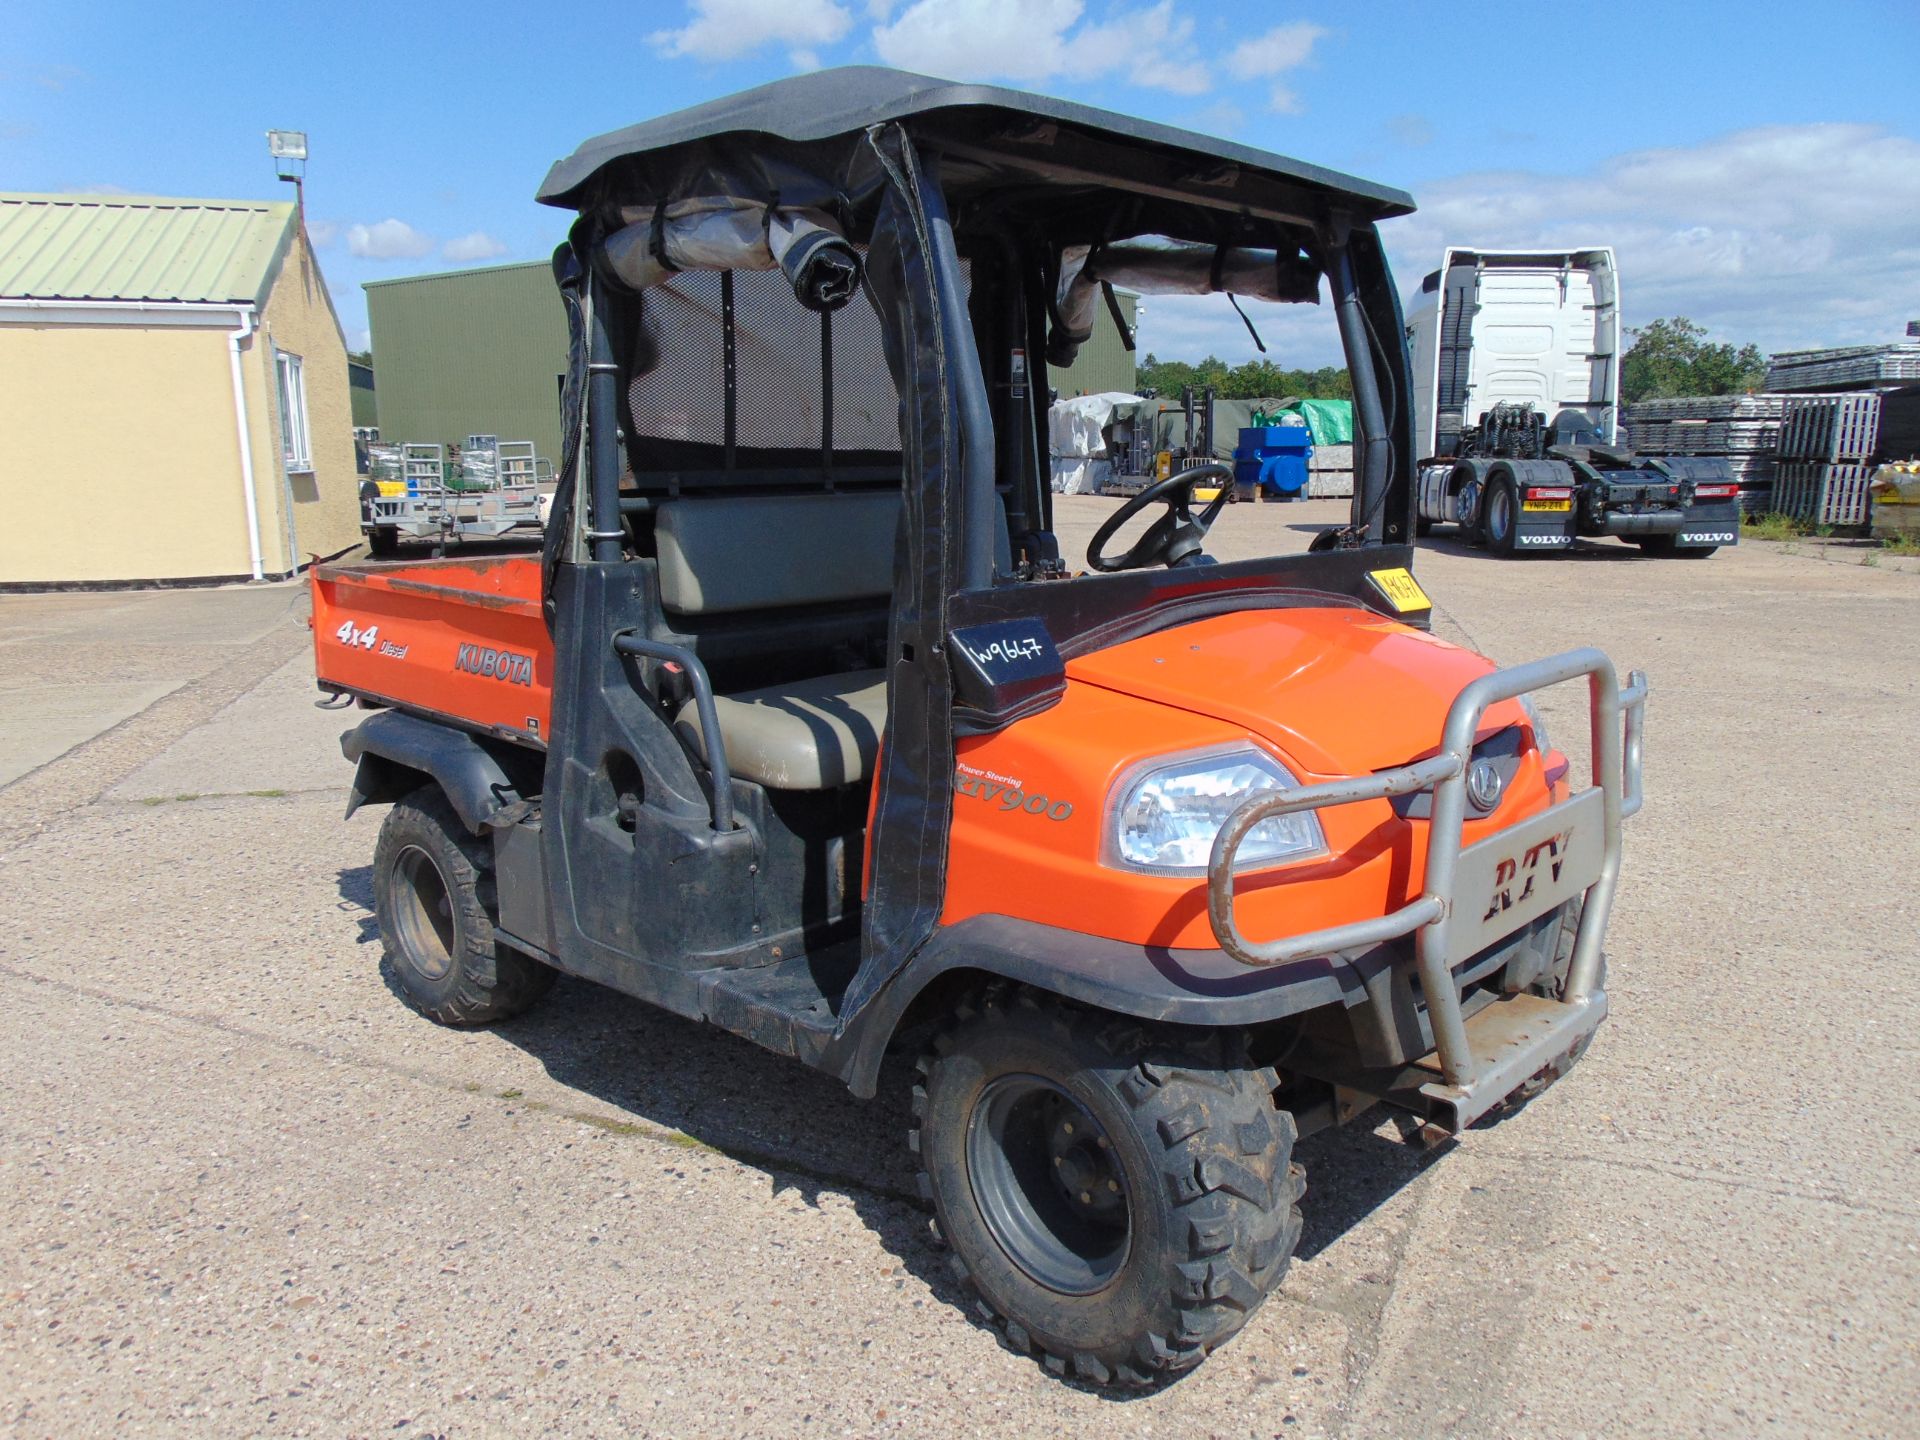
x=294, y=434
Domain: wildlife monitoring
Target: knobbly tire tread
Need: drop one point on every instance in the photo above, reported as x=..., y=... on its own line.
x=488, y=981
x=1550, y=986
x=1223, y=1166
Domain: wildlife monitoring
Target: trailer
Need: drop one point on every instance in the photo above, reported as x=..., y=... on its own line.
x=1516, y=390
x=489, y=489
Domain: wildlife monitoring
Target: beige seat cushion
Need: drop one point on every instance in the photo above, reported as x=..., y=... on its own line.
x=810, y=735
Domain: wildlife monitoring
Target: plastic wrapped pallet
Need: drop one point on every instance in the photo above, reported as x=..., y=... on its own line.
x=479, y=470
x=1078, y=437
x=386, y=464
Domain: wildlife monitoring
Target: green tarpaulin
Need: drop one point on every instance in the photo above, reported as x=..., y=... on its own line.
x=1329, y=421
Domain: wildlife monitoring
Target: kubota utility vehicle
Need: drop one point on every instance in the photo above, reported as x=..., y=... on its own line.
x=803, y=726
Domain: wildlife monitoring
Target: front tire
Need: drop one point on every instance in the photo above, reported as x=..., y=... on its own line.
x=1118, y=1197
x=433, y=896
x=1551, y=984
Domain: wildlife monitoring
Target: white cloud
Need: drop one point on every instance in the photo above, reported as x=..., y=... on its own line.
x=387, y=240
x=475, y=245
x=323, y=232
x=1786, y=235
x=1031, y=41
x=727, y=29
x=1283, y=48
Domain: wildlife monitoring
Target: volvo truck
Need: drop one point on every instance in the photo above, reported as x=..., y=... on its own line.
x=1516, y=396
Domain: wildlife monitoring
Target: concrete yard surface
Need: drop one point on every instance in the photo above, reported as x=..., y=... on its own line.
x=245, y=1191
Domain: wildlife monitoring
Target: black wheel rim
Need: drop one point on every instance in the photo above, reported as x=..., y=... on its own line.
x=423, y=912
x=1049, y=1184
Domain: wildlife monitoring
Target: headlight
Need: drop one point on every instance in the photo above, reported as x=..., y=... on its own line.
x=1165, y=815
x=1540, y=740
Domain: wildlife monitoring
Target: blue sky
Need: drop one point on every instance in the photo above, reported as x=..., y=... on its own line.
x=1757, y=164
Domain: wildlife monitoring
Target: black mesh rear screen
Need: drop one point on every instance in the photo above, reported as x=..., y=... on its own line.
x=677, y=395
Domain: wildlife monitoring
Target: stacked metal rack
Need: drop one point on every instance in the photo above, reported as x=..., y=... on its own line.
x=1845, y=367
x=1740, y=429
x=1826, y=444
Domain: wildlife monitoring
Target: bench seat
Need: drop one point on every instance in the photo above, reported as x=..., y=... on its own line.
x=811, y=734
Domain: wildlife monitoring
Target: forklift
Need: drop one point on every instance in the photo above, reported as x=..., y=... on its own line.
x=803, y=725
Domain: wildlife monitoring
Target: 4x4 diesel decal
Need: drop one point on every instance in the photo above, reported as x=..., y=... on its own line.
x=508, y=665
x=1008, y=794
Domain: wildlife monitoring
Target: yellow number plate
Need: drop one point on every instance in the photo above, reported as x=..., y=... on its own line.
x=1401, y=589
x=1546, y=505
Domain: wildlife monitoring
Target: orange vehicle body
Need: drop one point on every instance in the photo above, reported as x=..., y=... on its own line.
x=462, y=639
x=1330, y=691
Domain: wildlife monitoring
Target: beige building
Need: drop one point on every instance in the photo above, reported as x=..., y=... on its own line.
x=174, y=404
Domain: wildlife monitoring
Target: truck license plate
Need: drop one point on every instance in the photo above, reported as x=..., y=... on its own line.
x=1561, y=505
x=1510, y=879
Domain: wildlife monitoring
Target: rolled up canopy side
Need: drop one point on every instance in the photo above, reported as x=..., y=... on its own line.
x=1163, y=268
x=724, y=232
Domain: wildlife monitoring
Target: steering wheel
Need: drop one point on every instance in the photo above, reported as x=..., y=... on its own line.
x=1177, y=536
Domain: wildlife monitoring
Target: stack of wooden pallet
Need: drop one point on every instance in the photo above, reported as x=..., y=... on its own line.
x=1826, y=444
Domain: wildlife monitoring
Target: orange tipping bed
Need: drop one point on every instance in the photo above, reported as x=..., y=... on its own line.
x=461, y=639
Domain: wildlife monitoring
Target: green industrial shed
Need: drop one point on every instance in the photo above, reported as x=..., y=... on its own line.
x=480, y=352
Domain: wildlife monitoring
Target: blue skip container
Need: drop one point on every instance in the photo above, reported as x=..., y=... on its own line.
x=1273, y=458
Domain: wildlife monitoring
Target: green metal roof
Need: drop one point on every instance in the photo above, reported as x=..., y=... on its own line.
x=141, y=247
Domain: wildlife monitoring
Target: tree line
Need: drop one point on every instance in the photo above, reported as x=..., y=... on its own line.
x=1255, y=380
x=1666, y=357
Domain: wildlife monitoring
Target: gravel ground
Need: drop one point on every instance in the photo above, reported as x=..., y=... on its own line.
x=243, y=1191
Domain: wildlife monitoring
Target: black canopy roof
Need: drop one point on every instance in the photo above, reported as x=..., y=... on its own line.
x=827, y=104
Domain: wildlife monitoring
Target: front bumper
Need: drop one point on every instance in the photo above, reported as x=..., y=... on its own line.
x=1472, y=896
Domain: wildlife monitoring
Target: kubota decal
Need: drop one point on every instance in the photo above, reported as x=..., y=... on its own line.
x=506, y=665
x=1008, y=794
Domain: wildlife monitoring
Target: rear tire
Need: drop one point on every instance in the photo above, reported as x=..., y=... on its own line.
x=1422, y=527
x=383, y=542
x=1170, y=1208
x=433, y=896
x=1500, y=510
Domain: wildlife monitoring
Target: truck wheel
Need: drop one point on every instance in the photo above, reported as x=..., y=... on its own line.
x=1118, y=1198
x=1501, y=512
x=433, y=896
x=1422, y=527
x=383, y=542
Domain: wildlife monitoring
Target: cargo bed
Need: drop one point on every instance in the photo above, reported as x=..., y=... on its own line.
x=460, y=640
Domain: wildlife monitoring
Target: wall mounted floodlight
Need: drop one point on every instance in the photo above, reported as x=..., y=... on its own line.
x=287, y=144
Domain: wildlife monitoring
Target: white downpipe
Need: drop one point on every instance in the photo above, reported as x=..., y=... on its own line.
x=235, y=339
